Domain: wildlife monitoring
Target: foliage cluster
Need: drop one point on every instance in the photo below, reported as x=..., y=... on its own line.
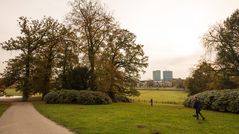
x=221, y=40
x=85, y=97
x=220, y=100
x=203, y=78
x=122, y=98
x=76, y=78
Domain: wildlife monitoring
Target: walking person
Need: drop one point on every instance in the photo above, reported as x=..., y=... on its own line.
x=197, y=106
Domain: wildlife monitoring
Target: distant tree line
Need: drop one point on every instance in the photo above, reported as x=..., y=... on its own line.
x=222, y=40
x=91, y=51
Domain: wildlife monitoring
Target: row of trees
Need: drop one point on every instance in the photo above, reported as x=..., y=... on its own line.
x=222, y=40
x=89, y=51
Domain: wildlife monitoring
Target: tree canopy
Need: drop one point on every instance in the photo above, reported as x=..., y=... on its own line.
x=112, y=53
x=38, y=45
x=202, y=79
x=223, y=40
x=91, y=23
x=223, y=73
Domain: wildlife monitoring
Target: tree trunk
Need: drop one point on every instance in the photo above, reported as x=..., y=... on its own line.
x=64, y=83
x=46, y=81
x=112, y=95
x=47, y=74
x=93, y=86
x=25, y=92
x=111, y=92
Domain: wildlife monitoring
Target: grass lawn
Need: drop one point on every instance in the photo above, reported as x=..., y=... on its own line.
x=12, y=92
x=161, y=96
x=138, y=119
x=3, y=107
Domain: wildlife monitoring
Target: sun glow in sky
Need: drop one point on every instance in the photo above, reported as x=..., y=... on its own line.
x=170, y=30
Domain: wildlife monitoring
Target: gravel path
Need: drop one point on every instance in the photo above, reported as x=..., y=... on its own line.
x=22, y=118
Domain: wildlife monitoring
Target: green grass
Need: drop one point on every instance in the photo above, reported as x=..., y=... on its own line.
x=161, y=96
x=124, y=119
x=3, y=107
x=12, y=92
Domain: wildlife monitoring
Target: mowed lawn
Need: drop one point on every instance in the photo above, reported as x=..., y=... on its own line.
x=161, y=96
x=136, y=118
x=12, y=92
x=3, y=107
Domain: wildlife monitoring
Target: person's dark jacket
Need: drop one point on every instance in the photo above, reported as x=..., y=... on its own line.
x=197, y=105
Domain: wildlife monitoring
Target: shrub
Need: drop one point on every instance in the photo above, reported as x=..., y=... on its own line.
x=62, y=96
x=88, y=97
x=51, y=97
x=73, y=96
x=68, y=96
x=220, y=100
x=122, y=98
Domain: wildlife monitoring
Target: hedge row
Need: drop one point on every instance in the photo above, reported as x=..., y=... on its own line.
x=85, y=97
x=220, y=100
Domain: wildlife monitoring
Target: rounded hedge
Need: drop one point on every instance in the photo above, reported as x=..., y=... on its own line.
x=85, y=97
x=220, y=100
x=122, y=98
x=93, y=97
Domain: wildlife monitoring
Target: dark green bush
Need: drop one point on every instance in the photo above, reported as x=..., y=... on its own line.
x=122, y=98
x=220, y=100
x=51, y=97
x=81, y=97
x=62, y=96
x=88, y=97
x=68, y=96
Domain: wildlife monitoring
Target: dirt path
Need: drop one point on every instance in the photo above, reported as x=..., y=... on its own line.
x=22, y=118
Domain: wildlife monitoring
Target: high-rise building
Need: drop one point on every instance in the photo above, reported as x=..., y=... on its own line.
x=157, y=75
x=167, y=75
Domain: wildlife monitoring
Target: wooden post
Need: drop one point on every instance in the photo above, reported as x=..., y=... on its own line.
x=151, y=101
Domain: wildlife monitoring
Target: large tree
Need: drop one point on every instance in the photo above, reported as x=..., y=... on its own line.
x=39, y=44
x=33, y=33
x=114, y=57
x=120, y=63
x=59, y=38
x=223, y=40
x=91, y=23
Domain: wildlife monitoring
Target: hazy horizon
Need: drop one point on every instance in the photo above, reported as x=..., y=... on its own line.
x=169, y=30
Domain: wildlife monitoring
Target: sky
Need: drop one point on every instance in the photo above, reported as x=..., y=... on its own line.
x=170, y=30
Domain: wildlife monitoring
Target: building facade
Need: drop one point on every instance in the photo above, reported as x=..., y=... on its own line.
x=167, y=75
x=157, y=75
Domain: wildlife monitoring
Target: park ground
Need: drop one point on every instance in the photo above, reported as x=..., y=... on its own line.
x=3, y=107
x=139, y=117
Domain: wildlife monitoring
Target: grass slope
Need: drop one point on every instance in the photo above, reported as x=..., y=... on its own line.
x=138, y=119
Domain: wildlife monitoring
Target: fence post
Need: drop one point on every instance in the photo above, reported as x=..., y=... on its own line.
x=151, y=101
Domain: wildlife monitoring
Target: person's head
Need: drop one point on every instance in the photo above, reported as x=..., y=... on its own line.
x=196, y=98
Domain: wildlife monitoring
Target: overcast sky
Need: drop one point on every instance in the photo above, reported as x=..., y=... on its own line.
x=170, y=30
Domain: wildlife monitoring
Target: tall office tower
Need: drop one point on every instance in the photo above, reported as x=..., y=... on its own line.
x=157, y=75
x=167, y=75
